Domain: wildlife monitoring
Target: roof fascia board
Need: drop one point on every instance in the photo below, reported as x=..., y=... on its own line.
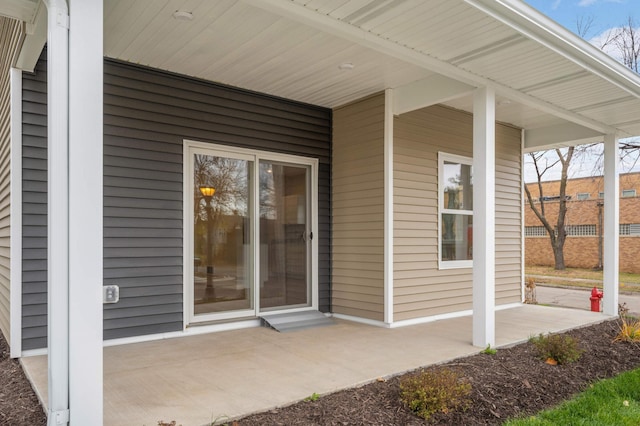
x=432, y=90
x=327, y=24
x=528, y=21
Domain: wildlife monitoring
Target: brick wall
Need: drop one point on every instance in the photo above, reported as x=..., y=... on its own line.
x=590, y=185
x=582, y=251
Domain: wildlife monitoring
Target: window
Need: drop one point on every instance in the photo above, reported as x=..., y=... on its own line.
x=554, y=198
x=571, y=230
x=580, y=230
x=625, y=229
x=628, y=193
x=582, y=195
x=455, y=205
x=630, y=229
x=535, y=231
x=601, y=195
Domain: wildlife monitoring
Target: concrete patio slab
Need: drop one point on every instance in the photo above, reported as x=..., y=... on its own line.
x=196, y=379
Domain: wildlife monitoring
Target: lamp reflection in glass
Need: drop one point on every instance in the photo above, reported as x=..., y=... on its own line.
x=207, y=193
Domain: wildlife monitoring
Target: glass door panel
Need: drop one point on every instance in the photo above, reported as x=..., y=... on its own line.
x=222, y=250
x=284, y=235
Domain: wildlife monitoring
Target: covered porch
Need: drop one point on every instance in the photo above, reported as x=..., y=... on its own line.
x=490, y=61
x=239, y=372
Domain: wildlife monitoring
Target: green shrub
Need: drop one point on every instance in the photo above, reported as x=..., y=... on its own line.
x=314, y=397
x=429, y=392
x=559, y=347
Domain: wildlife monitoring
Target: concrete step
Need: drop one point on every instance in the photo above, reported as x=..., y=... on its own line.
x=294, y=321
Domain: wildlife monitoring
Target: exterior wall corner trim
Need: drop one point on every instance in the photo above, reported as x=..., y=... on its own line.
x=16, y=214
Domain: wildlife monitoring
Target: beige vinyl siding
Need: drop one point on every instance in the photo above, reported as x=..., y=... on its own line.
x=420, y=288
x=508, y=215
x=10, y=37
x=358, y=209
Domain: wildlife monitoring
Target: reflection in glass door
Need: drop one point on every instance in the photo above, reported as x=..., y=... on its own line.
x=284, y=235
x=222, y=249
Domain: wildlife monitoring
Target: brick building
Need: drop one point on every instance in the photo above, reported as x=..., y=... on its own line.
x=583, y=223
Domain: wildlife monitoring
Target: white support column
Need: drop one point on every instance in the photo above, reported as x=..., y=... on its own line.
x=611, y=225
x=58, y=211
x=85, y=212
x=388, y=206
x=484, y=217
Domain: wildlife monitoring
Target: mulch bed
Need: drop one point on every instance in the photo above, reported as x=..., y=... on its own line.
x=18, y=402
x=511, y=383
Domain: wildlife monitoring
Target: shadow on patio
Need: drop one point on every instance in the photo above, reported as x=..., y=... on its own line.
x=195, y=379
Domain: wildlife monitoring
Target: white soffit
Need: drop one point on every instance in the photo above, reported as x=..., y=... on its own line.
x=292, y=49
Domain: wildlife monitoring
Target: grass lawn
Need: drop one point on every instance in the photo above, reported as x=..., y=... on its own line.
x=628, y=282
x=609, y=402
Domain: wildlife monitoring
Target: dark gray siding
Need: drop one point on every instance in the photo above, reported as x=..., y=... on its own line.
x=11, y=34
x=147, y=115
x=34, y=207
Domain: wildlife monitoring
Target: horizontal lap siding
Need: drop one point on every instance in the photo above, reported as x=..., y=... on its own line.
x=34, y=207
x=147, y=115
x=420, y=288
x=10, y=34
x=358, y=209
x=508, y=215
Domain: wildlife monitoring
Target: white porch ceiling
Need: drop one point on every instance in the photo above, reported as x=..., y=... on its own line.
x=545, y=77
x=237, y=44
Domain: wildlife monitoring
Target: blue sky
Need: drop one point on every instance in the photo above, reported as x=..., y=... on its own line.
x=606, y=14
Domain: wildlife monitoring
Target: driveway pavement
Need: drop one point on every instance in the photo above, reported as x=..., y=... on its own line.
x=579, y=298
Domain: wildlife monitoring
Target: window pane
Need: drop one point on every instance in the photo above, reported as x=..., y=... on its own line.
x=284, y=245
x=222, y=203
x=458, y=186
x=583, y=195
x=457, y=237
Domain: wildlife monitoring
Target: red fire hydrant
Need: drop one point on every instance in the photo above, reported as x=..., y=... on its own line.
x=596, y=296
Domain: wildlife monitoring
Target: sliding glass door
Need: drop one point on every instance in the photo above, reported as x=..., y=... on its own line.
x=284, y=235
x=250, y=231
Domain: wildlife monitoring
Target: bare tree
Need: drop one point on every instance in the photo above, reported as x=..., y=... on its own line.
x=584, y=25
x=625, y=42
x=229, y=178
x=557, y=233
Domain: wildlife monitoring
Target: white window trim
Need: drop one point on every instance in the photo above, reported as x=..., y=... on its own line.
x=189, y=146
x=442, y=157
